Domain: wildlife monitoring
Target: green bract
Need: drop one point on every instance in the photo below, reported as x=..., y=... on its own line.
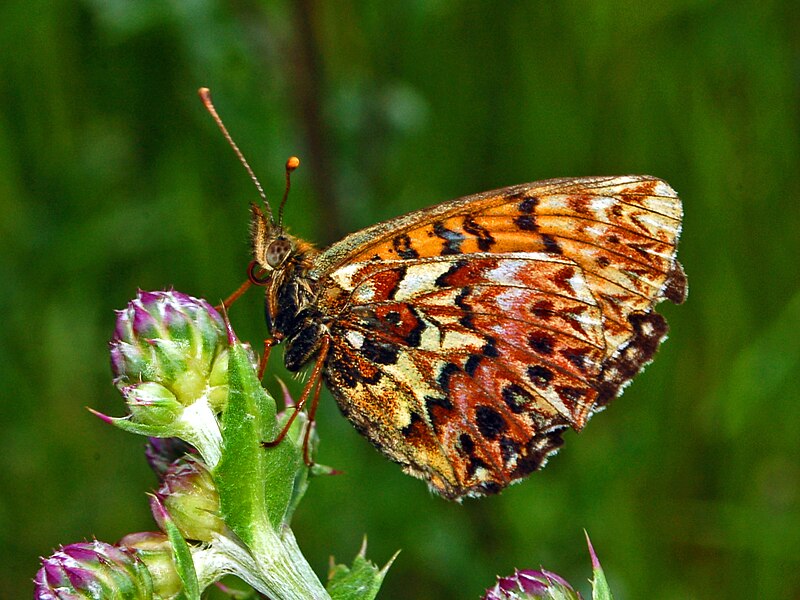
x=155, y=551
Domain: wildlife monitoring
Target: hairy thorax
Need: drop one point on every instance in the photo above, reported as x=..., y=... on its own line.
x=290, y=307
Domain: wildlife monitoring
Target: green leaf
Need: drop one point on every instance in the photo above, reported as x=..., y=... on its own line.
x=255, y=484
x=600, y=589
x=184, y=564
x=359, y=582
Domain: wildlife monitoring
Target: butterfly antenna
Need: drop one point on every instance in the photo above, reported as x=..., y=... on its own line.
x=291, y=164
x=205, y=96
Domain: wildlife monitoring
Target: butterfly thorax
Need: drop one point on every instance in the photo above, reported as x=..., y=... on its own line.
x=290, y=299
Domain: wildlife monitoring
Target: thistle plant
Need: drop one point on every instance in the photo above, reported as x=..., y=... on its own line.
x=225, y=503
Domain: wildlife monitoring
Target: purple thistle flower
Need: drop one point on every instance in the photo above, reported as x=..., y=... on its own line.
x=168, y=350
x=163, y=334
x=92, y=570
x=531, y=585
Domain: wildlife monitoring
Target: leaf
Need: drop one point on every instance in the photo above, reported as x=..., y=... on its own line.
x=182, y=555
x=600, y=589
x=255, y=484
x=359, y=582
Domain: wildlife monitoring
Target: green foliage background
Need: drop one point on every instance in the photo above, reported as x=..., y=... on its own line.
x=113, y=177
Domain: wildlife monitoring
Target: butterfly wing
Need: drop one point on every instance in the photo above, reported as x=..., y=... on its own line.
x=466, y=336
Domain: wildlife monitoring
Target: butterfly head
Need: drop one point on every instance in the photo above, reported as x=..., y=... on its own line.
x=272, y=247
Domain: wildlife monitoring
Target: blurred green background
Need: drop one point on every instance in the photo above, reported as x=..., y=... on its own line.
x=113, y=177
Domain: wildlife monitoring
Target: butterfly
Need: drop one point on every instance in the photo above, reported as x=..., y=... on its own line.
x=462, y=339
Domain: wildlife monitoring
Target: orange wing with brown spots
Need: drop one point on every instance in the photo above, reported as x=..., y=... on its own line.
x=466, y=336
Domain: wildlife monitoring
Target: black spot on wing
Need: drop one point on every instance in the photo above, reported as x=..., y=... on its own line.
x=540, y=376
x=526, y=222
x=452, y=239
x=414, y=337
x=541, y=343
x=393, y=318
x=490, y=348
x=461, y=298
x=379, y=352
x=490, y=422
x=414, y=423
x=484, y=237
x=528, y=205
x=474, y=464
x=516, y=397
x=550, y=244
x=439, y=411
x=466, y=444
x=509, y=449
x=472, y=364
x=577, y=358
x=445, y=374
x=466, y=321
x=402, y=245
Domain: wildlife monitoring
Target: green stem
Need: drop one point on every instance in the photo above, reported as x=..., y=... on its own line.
x=278, y=569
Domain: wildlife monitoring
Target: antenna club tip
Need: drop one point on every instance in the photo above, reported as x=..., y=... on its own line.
x=204, y=93
x=292, y=163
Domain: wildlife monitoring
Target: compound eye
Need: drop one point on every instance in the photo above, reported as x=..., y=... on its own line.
x=277, y=252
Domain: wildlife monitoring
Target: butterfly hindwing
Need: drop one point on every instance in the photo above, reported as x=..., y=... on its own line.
x=465, y=369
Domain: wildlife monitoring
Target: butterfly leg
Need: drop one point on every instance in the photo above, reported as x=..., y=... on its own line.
x=234, y=296
x=268, y=344
x=313, y=380
x=312, y=413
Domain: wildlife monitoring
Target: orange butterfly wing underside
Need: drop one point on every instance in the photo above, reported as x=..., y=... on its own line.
x=467, y=336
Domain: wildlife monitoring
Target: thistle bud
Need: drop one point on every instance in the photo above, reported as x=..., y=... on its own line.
x=162, y=452
x=155, y=551
x=169, y=355
x=93, y=570
x=188, y=494
x=531, y=585
x=173, y=341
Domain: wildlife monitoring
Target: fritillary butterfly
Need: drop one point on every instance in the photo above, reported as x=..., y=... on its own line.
x=463, y=339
